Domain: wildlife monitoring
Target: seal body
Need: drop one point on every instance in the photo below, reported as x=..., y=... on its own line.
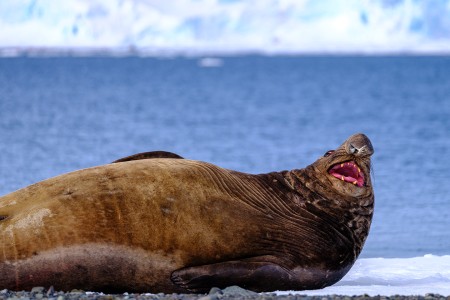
x=160, y=223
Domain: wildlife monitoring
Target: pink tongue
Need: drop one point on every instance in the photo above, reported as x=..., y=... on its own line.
x=348, y=172
x=342, y=177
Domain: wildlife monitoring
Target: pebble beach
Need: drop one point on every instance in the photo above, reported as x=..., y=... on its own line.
x=234, y=292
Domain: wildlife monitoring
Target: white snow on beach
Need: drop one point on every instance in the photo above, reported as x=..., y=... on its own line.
x=392, y=276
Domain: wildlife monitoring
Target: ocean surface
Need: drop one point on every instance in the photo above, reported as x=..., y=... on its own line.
x=254, y=114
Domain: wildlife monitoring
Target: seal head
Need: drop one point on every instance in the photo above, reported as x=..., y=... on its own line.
x=349, y=163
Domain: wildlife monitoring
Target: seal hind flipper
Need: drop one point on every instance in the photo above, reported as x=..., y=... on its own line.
x=259, y=276
x=148, y=155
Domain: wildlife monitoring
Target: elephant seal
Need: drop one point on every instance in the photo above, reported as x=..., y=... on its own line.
x=160, y=223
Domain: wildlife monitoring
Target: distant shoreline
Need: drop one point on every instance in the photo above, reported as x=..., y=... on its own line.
x=16, y=51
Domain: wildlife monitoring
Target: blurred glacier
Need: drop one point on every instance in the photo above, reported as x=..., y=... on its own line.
x=265, y=26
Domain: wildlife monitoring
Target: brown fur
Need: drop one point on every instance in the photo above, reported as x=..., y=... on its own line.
x=176, y=225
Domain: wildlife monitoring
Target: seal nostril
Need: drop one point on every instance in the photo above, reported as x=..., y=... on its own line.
x=353, y=149
x=3, y=218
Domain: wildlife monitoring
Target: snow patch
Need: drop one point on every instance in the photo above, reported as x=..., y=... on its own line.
x=392, y=276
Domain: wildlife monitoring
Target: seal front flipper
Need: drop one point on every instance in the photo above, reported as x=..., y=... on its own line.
x=148, y=155
x=258, y=276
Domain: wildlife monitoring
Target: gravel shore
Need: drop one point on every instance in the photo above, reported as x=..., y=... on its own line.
x=234, y=292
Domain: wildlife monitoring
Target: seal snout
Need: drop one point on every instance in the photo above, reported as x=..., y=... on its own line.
x=359, y=145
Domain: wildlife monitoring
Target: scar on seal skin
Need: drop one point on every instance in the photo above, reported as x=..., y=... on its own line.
x=155, y=222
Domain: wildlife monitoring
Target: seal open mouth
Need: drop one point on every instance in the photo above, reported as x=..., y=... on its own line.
x=348, y=172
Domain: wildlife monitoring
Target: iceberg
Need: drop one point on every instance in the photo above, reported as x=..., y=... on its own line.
x=228, y=26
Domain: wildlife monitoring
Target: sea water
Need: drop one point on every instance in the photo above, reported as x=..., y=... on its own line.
x=254, y=114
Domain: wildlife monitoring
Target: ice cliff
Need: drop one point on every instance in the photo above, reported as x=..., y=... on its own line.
x=271, y=26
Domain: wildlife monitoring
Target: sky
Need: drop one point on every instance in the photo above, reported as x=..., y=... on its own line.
x=270, y=26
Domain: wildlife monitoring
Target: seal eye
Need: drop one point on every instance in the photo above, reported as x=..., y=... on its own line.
x=328, y=153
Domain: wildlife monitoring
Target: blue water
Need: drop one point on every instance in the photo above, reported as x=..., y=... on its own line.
x=254, y=114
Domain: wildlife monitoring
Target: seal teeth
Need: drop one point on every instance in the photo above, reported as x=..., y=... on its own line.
x=355, y=182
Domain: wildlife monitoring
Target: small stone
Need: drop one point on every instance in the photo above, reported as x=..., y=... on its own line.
x=237, y=291
x=215, y=290
x=60, y=298
x=271, y=296
x=50, y=291
x=37, y=289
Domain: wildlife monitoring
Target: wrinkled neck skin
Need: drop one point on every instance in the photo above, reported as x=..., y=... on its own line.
x=341, y=206
x=352, y=212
